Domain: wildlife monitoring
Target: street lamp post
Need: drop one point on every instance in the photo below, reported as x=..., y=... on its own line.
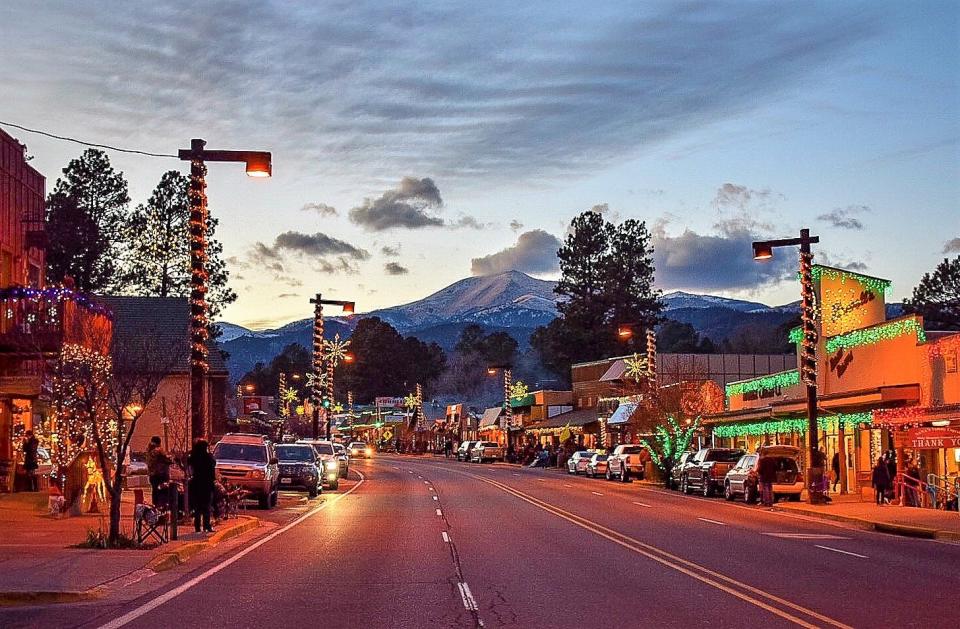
x=507, y=381
x=318, y=384
x=763, y=250
x=258, y=164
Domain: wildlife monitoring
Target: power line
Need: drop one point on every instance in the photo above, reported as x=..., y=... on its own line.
x=99, y=146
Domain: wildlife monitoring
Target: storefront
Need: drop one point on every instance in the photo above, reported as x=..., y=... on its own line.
x=582, y=427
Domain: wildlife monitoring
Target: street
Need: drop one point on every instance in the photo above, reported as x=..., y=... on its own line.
x=431, y=543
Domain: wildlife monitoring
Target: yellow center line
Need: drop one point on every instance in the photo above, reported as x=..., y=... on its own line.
x=689, y=568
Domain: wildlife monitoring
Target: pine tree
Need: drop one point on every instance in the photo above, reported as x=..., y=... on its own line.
x=86, y=214
x=937, y=296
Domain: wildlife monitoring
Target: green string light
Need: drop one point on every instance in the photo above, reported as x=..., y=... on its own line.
x=875, y=285
x=765, y=383
x=869, y=336
x=796, y=424
x=796, y=335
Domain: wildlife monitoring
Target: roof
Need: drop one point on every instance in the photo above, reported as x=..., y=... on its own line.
x=616, y=371
x=168, y=318
x=579, y=417
x=490, y=417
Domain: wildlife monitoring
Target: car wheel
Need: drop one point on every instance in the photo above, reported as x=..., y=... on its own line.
x=264, y=502
x=624, y=475
x=334, y=485
x=728, y=492
x=707, y=489
x=685, y=485
x=274, y=497
x=749, y=494
x=313, y=492
x=608, y=475
x=794, y=498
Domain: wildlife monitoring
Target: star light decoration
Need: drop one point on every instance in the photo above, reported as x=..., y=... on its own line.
x=316, y=380
x=518, y=390
x=335, y=349
x=637, y=367
x=410, y=401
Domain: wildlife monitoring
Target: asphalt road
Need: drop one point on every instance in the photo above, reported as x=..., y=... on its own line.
x=432, y=543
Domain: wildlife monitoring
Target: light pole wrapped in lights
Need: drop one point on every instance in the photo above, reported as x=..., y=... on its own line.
x=508, y=410
x=321, y=381
x=763, y=250
x=652, y=357
x=258, y=164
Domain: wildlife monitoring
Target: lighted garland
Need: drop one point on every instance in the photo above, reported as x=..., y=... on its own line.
x=790, y=425
x=79, y=391
x=54, y=293
x=869, y=336
x=875, y=285
x=796, y=335
x=766, y=383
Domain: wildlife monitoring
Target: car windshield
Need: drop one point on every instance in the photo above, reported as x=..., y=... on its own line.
x=600, y=457
x=357, y=445
x=583, y=454
x=724, y=456
x=323, y=448
x=241, y=452
x=295, y=453
x=632, y=450
x=487, y=444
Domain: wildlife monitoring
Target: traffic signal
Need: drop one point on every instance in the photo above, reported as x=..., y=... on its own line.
x=326, y=403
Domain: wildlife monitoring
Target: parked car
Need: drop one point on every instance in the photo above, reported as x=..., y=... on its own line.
x=742, y=479
x=329, y=461
x=486, y=451
x=344, y=457
x=463, y=452
x=577, y=463
x=626, y=461
x=249, y=461
x=300, y=467
x=708, y=469
x=359, y=449
x=676, y=473
x=597, y=465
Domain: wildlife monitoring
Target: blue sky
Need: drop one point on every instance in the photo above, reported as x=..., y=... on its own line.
x=415, y=145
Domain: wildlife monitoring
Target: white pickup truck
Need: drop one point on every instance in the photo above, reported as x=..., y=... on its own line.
x=486, y=451
x=626, y=461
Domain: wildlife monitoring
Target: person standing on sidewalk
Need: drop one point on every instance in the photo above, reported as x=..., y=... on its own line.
x=766, y=476
x=30, y=461
x=202, y=479
x=881, y=480
x=835, y=466
x=158, y=470
x=911, y=484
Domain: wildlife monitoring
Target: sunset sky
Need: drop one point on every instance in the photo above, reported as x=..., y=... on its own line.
x=416, y=145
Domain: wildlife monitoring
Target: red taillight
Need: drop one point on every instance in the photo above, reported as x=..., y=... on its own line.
x=716, y=473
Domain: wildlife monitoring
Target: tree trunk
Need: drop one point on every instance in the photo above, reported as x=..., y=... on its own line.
x=116, y=495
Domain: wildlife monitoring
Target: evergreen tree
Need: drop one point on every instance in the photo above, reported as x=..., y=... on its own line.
x=937, y=296
x=158, y=256
x=86, y=214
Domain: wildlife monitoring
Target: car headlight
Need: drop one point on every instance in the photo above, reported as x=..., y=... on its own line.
x=331, y=465
x=369, y=451
x=257, y=474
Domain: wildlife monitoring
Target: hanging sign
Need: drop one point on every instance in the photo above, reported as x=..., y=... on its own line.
x=928, y=438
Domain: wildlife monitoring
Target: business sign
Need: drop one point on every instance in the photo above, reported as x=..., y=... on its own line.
x=389, y=402
x=252, y=403
x=928, y=438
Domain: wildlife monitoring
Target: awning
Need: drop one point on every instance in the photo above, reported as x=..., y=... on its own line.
x=615, y=372
x=490, y=417
x=622, y=414
x=578, y=418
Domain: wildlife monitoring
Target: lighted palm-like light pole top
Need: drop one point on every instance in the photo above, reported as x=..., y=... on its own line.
x=507, y=383
x=258, y=164
x=641, y=366
x=763, y=250
x=319, y=381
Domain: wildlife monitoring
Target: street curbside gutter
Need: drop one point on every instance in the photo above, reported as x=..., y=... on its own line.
x=889, y=528
x=37, y=597
x=167, y=559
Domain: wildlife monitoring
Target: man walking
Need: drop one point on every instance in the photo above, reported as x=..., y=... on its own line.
x=158, y=470
x=835, y=466
x=30, y=461
x=766, y=476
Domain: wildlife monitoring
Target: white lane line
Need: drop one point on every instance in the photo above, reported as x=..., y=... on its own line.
x=426, y=482
x=711, y=521
x=566, y=485
x=643, y=504
x=446, y=538
x=844, y=552
x=805, y=536
x=432, y=489
x=541, y=480
x=596, y=493
x=435, y=498
x=468, y=601
x=515, y=474
x=149, y=606
x=439, y=512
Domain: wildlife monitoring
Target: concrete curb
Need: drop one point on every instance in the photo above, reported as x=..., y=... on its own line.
x=167, y=559
x=37, y=597
x=873, y=525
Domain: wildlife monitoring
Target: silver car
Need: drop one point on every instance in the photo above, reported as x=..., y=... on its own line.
x=597, y=465
x=577, y=464
x=332, y=465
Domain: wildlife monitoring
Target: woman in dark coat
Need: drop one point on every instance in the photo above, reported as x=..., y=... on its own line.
x=202, y=478
x=881, y=480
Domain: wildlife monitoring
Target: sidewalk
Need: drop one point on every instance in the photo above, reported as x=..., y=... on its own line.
x=911, y=521
x=39, y=565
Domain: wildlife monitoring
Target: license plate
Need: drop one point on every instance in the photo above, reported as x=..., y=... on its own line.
x=286, y=481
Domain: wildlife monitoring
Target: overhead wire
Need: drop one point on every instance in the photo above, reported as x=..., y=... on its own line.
x=84, y=143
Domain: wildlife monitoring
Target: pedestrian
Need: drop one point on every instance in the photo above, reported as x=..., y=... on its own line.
x=158, y=471
x=766, y=476
x=202, y=479
x=835, y=466
x=881, y=480
x=911, y=484
x=30, y=461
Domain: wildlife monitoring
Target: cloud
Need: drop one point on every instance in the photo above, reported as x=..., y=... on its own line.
x=405, y=206
x=516, y=225
x=287, y=295
x=535, y=252
x=735, y=196
x=317, y=244
x=952, y=246
x=371, y=89
x=317, y=248
x=468, y=222
x=844, y=217
x=320, y=208
x=389, y=251
x=718, y=261
x=394, y=268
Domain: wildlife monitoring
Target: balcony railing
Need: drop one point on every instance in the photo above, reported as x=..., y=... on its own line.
x=42, y=320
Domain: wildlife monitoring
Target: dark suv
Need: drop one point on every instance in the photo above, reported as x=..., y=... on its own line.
x=707, y=469
x=299, y=467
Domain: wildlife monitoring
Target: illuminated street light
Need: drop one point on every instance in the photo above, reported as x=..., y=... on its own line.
x=321, y=389
x=763, y=250
x=507, y=381
x=258, y=164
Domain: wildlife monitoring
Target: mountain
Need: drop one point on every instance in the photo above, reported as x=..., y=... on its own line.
x=678, y=300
